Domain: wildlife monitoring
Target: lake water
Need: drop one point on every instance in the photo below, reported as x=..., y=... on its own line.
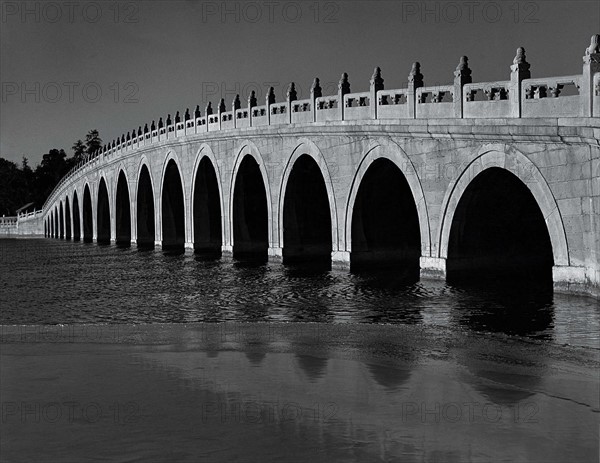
x=124, y=362
x=47, y=281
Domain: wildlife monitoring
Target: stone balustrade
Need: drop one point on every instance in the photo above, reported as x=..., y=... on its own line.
x=519, y=97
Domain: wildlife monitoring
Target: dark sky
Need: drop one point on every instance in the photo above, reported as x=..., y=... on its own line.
x=67, y=67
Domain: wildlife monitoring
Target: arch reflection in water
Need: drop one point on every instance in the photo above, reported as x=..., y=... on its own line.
x=314, y=368
x=389, y=377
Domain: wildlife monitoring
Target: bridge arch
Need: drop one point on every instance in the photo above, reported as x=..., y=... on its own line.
x=250, y=161
x=308, y=149
x=495, y=158
x=61, y=220
x=76, y=217
x=88, y=217
x=377, y=154
x=172, y=204
x=145, y=210
x=103, y=213
x=207, y=208
x=122, y=210
x=67, y=218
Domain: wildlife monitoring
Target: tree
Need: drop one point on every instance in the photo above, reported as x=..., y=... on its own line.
x=93, y=142
x=79, y=151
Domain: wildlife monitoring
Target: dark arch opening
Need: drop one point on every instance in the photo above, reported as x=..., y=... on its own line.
x=207, y=211
x=88, y=222
x=51, y=224
x=76, y=225
x=103, y=214
x=45, y=228
x=61, y=220
x=385, y=222
x=173, y=211
x=498, y=232
x=306, y=214
x=250, y=213
x=123, y=212
x=67, y=219
x=145, y=211
x=55, y=214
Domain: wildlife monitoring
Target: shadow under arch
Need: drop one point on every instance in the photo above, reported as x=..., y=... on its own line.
x=61, y=220
x=145, y=216
x=67, y=219
x=207, y=213
x=76, y=218
x=527, y=172
x=88, y=221
x=307, y=222
x=122, y=212
x=250, y=211
x=385, y=223
x=385, y=149
x=172, y=208
x=498, y=231
x=307, y=148
x=103, y=214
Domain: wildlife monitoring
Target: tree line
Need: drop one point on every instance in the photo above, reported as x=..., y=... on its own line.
x=20, y=184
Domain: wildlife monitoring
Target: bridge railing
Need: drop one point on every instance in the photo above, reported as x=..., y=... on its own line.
x=546, y=96
x=435, y=102
x=521, y=96
x=302, y=111
x=487, y=99
x=8, y=221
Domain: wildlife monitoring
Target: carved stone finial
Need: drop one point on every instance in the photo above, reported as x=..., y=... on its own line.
x=520, y=65
x=463, y=72
x=139, y=130
x=292, y=95
x=123, y=138
x=209, y=109
x=270, y=99
x=315, y=89
x=197, y=112
x=520, y=56
x=415, y=77
x=186, y=116
x=160, y=123
x=177, y=118
x=252, y=99
x=376, y=79
x=594, y=45
x=153, y=126
x=146, y=127
x=343, y=84
x=169, y=121
x=222, y=107
x=236, y=103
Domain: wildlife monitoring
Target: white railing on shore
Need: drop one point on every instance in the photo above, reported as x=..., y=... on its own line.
x=519, y=97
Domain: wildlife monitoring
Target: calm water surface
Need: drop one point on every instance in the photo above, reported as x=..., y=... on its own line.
x=48, y=281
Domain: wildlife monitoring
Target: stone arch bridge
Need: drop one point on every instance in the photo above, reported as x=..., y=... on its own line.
x=464, y=179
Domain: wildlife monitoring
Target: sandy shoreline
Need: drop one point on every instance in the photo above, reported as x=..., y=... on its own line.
x=292, y=392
